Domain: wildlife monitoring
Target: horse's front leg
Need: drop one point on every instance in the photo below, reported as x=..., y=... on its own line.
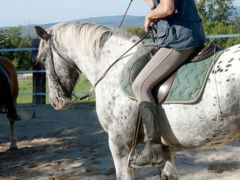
x=168, y=172
x=13, y=142
x=120, y=152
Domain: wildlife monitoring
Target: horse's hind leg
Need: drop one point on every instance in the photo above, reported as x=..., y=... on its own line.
x=13, y=145
x=168, y=172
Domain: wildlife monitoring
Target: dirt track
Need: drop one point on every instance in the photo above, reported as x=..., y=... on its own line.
x=72, y=145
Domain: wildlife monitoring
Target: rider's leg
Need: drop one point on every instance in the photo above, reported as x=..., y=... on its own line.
x=6, y=96
x=162, y=64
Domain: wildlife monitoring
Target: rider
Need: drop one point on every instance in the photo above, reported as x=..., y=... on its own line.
x=179, y=33
x=6, y=97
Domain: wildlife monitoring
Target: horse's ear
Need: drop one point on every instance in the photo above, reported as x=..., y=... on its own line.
x=42, y=33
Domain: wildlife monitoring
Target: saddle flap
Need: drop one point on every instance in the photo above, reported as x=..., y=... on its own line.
x=137, y=66
x=183, y=87
x=161, y=90
x=164, y=88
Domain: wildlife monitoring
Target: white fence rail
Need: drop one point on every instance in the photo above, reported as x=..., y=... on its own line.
x=44, y=94
x=223, y=36
x=18, y=49
x=34, y=49
x=31, y=71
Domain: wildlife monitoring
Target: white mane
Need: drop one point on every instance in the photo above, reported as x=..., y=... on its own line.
x=86, y=37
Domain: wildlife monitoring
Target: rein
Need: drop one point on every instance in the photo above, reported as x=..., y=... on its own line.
x=53, y=73
x=55, y=77
x=57, y=81
x=108, y=69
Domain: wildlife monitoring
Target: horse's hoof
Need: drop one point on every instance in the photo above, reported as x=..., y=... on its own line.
x=168, y=172
x=14, y=117
x=168, y=177
x=13, y=149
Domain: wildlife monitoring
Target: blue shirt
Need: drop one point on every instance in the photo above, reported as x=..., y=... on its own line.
x=181, y=30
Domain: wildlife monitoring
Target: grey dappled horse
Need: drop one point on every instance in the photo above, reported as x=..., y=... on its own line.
x=67, y=49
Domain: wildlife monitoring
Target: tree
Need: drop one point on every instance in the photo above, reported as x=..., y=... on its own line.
x=21, y=60
x=217, y=19
x=137, y=31
x=215, y=11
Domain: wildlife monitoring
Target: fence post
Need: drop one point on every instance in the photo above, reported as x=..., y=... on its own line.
x=39, y=79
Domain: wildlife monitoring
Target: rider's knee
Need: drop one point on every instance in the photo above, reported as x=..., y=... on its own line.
x=140, y=89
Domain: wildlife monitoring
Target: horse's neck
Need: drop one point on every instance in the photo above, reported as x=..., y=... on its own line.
x=94, y=68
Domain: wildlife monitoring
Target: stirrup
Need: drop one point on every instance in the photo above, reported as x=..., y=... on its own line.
x=151, y=156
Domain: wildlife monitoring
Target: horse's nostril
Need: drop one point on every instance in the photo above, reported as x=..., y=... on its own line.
x=54, y=105
x=57, y=100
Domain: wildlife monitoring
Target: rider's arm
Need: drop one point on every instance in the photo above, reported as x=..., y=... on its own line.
x=149, y=2
x=164, y=8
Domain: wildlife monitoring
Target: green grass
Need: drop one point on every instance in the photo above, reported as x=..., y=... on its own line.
x=26, y=86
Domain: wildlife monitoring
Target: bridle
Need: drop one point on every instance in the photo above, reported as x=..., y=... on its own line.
x=61, y=90
x=56, y=80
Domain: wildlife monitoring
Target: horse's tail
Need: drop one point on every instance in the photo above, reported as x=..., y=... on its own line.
x=12, y=75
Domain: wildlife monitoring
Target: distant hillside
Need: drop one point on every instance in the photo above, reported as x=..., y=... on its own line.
x=113, y=21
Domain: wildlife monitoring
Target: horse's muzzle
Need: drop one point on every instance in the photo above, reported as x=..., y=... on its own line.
x=61, y=103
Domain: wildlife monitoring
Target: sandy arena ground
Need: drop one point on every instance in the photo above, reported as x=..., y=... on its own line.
x=72, y=145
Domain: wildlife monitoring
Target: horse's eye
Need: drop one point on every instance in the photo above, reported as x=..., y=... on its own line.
x=41, y=59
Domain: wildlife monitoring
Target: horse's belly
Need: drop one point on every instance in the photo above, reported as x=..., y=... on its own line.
x=200, y=140
x=207, y=141
x=200, y=130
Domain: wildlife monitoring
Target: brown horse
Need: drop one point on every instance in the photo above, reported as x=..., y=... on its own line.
x=12, y=77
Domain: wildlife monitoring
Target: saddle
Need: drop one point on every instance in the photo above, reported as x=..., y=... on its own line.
x=161, y=91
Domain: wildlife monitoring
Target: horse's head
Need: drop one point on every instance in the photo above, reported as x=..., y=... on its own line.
x=62, y=73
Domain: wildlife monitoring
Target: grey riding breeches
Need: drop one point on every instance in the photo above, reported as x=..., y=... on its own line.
x=161, y=65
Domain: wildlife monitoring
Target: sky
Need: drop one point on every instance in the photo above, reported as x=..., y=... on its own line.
x=25, y=12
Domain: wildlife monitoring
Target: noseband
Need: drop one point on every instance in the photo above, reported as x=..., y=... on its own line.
x=61, y=90
x=57, y=82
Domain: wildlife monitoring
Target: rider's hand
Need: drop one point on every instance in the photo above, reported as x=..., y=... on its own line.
x=147, y=23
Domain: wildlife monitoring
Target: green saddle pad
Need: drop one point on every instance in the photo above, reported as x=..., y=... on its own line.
x=188, y=84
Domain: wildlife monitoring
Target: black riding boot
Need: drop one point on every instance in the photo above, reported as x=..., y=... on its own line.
x=152, y=154
x=7, y=99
